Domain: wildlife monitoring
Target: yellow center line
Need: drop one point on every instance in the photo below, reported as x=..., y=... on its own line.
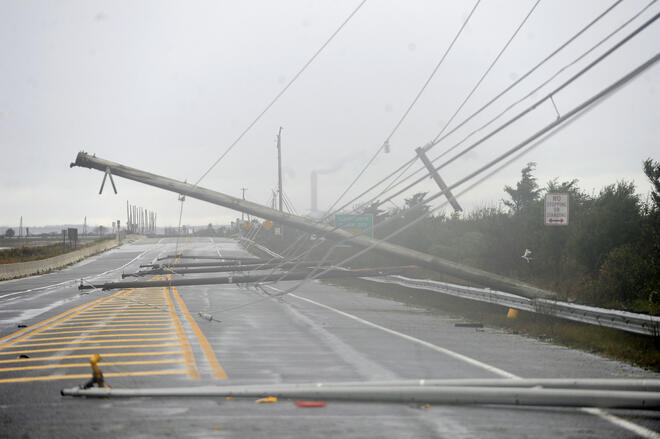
x=193, y=373
x=88, y=348
x=106, y=355
x=123, y=325
x=118, y=331
x=119, y=340
x=121, y=321
x=218, y=371
x=74, y=365
x=125, y=313
x=86, y=375
x=59, y=316
x=100, y=336
x=118, y=318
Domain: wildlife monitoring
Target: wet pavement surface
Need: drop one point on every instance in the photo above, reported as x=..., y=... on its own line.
x=162, y=337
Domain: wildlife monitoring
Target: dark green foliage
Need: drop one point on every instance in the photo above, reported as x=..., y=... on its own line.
x=652, y=171
x=611, y=219
x=609, y=254
x=527, y=192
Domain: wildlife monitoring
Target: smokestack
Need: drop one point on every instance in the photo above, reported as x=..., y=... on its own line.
x=314, y=189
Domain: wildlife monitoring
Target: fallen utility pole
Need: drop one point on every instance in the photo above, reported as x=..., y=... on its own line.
x=206, y=264
x=425, y=260
x=451, y=395
x=244, y=279
x=175, y=269
x=215, y=258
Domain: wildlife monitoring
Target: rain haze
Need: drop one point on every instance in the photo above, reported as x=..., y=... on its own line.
x=351, y=295
x=168, y=86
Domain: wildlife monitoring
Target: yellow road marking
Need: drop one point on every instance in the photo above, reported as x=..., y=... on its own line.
x=116, y=319
x=218, y=371
x=87, y=348
x=86, y=375
x=99, y=336
x=106, y=355
x=99, y=330
x=193, y=372
x=69, y=365
x=125, y=308
x=41, y=324
x=125, y=325
x=126, y=313
x=119, y=340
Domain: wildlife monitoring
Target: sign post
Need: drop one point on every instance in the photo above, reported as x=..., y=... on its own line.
x=556, y=209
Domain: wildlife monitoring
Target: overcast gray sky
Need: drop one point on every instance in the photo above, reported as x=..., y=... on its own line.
x=167, y=86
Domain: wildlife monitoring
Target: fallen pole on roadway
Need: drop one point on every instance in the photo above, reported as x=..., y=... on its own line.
x=244, y=279
x=449, y=395
x=175, y=269
x=218, y=258
x=205, y=264
x=412, y=256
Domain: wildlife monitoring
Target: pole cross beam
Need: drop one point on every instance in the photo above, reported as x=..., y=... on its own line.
x=438, y=180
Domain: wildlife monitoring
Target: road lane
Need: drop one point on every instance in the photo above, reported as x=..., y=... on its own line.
x=255, y=338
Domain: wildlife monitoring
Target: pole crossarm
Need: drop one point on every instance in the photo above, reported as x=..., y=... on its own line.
x=438, y=180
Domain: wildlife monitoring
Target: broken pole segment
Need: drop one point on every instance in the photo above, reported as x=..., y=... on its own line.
x=438, y=180
x=176, y=269
x=248, y=278
x=481, y=277
x=214, y=258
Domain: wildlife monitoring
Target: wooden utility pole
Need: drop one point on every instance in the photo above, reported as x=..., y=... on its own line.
x=243, y=189
x=279, y=165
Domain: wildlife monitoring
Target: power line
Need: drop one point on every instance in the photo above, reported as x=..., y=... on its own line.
x=521, y=149
x=275, y=99
x=410, y=107
x=537, y=137
x=530, y=71
x=490, y=67
x=552, y=126
x=408, y=164
x=531, y=107
x=286, y=87
x=542, y=100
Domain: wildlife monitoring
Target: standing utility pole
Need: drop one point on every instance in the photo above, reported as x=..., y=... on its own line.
x=279, y=165
x=243, y=189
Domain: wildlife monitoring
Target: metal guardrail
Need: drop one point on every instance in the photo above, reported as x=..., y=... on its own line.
x=623, y=320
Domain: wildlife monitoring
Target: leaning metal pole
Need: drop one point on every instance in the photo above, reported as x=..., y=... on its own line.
x=431, y=262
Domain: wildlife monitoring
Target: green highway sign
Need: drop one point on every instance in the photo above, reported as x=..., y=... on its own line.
x=363, y=224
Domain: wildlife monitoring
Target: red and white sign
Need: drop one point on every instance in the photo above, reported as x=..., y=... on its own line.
x=556, y=209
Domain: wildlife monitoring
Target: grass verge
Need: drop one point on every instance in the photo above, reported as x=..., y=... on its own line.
x=27, y=254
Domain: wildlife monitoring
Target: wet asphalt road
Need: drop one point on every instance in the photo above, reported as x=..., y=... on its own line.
x=155, y=337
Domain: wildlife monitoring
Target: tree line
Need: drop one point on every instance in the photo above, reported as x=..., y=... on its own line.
x=608, y=255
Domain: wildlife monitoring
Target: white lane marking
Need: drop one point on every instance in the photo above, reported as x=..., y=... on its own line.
x=620, y=422
x=33, y=312
x=637, y=429
x=75, y=280
x=431, y=346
